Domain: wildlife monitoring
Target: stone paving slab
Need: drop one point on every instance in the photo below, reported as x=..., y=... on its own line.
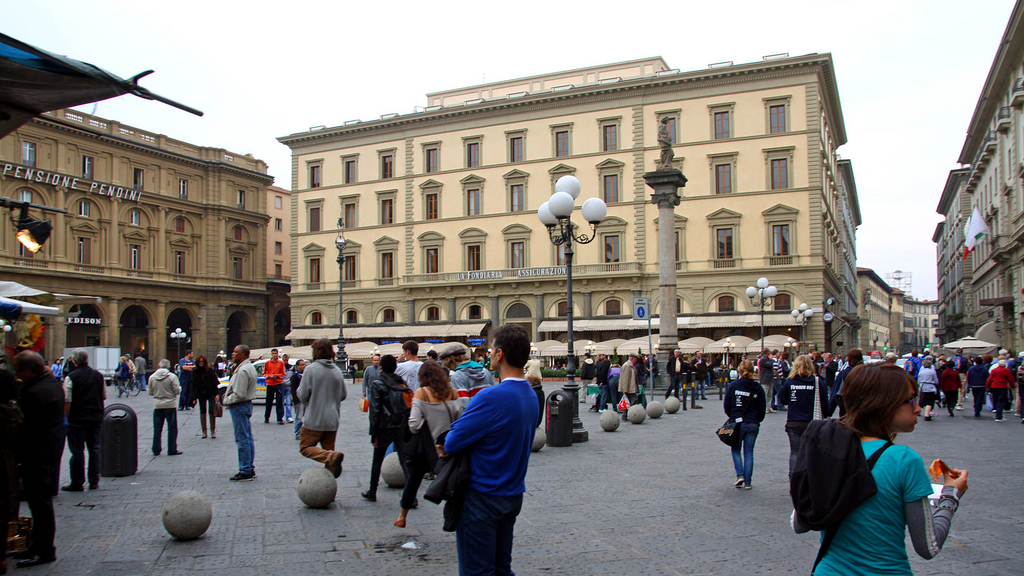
x=655, y=498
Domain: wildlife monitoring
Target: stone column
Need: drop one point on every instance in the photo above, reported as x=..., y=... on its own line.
x=666, y=184
x=161, y=239
x=160, y=344
x=495, y=314
x=109, y=333
x=588, y=305
x=412, y=311
x=539, y=319
x=453, y=311
x=114, y=246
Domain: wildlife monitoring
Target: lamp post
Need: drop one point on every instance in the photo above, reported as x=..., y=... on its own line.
x=178, y=336
x=342, y=360
x=761, y=297
x=557, y=212
x=729, y=347
x=803, y=316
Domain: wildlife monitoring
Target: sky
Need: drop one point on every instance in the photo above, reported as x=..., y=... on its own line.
x=909, y=72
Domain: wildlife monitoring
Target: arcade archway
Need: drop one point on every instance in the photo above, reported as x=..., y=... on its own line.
x=134, y=335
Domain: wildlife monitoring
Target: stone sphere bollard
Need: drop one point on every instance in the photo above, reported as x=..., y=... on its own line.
x=636, y=414
x=609, y=421
x=539, y=439
x=655, y=409
x=672, y=405
x=391, y=471
x=187, y=515
x=317, y=487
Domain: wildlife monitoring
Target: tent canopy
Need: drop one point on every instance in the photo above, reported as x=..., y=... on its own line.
x=772, y=342
x=741, y=342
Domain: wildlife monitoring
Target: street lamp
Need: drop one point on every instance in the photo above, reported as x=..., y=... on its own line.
x=533, y=350
x=761, y=297
x=729, y=347
x=802, y=316
x=178, y=336
x=342, y=360
x=557, y=211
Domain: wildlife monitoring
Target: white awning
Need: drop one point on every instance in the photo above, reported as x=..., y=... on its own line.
x=404, y=332
x=683, y=322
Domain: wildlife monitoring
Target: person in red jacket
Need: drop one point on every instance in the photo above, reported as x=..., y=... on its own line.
x=949, y=382
x=273, y=371
x=998, y=384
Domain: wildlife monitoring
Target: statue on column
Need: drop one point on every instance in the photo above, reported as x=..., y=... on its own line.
x=665, y=141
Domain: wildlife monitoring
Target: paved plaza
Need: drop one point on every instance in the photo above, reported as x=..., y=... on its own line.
x=655, y=498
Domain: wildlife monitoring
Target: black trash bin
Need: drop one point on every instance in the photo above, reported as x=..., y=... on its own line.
x=558, y=410
x=120, y=443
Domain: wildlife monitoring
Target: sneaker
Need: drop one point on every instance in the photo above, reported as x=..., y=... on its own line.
x=371, y=496
x=243, y=477
x=739, y=482
x=1000, y=419
x=748, y=487
x=959, y=407
x=291, y=420
x=280, y=422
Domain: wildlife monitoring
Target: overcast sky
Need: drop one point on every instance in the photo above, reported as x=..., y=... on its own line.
x=909, y=72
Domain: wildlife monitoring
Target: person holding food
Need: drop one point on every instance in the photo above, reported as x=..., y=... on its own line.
x=881, y=401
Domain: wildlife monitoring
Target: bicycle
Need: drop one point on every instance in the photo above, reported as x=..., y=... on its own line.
x=127, y=387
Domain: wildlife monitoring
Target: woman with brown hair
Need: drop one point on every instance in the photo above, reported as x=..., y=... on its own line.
x=436, y=405
x=204, y=387
x=881, y=401
x=807, y=400
x=745, y=405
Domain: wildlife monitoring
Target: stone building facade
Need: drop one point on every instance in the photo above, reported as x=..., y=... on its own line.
x=955, y=274
x=166, y=234
x=440, y=206
x=876, y=308
x=279, y=209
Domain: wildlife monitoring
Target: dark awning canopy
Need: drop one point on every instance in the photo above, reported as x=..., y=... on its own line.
x=33, y=81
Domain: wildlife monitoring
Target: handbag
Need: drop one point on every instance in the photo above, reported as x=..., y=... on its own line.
x=218, y=410
x=729, y=433
x=364, y=405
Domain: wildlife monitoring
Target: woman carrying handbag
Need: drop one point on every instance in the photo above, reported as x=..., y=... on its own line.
x=435, y=406
x=745, y=405
x=204, y=386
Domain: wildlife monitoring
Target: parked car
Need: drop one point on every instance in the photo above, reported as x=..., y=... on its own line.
x=261, y=383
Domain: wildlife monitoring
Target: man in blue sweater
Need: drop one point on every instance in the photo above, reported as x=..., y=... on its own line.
x=496, y=433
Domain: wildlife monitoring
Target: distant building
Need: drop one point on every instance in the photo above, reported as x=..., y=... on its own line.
x=920, y=323
x=279, y=208
x=875, y=312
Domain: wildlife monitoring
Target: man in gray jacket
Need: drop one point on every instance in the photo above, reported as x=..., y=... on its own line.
x=165, y=388
x=238, y=400
x=370, y=374
x=322, y=390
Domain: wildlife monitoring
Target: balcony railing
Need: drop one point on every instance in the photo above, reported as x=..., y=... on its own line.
x=511, y=274
x=30, y=263
x=780, y=261
x=313, y=286
x=385, y=281
x=724, y=263
x=1004, y=119
x=1017, y=98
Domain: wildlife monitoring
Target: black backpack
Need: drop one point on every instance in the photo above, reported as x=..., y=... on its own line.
x=830, y=478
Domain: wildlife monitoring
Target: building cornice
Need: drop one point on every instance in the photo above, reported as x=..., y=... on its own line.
x=950, y=190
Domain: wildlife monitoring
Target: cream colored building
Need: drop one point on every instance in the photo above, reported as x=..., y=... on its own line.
x=440, y=205
x=920, y=323
x=955, y=274
x=164, y=233
x=279, y=209
x=876, y=298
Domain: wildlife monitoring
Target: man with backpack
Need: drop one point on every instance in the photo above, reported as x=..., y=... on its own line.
x=321, y=390
x=390, y=405
x=913, y=365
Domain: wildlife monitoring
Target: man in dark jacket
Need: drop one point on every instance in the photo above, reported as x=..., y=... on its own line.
x=84, y=395
x=675, y=370
x=42, y=403
x=766, y=374
x=587, y=372
x=601, y=377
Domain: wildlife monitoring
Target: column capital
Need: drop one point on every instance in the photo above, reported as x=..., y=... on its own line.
x=666, y=185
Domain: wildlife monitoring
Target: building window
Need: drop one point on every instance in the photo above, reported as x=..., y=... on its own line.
x=278, y=202
x=350, y=268
x=387, y=265
x=314, y=219
x=387, y=211
x=472, y=154
x=726, y=304
x=387, y=166
x=138, y=178
x=84, y=208
x=314, y=270
x=236, y=267
x=515, y=149
x=431, y=206
x=677, y=244
x=473, y=258
x=723, y=243
x=723, y=178
x=135, y=256
x=560, y=255
x=671, y=129
x=241, y=199
x=278, y=224
x=135, y=217
x=179, y=262
x=474, y=312
x=611, y=248
x=473, y=202
x=431, y=159
x=316, y=318
x=777, y=118
x=780, y=174
x=84, y=250
x=314, y=176
x=28, y=154
x=350, y=171
x=609, y=137
x=433, y=314
x=351, y=317
x=562, y=310
x=88, y=163
x=561, y=143
x=237, y=232
x=517, y=198
x=780, y=240
x=612, y=308
x=388, y=315
x=179, y=225
x=518, y=254
x=783, y=302
x=182, y=189
x=278, y=248
x=610, y=188
x=430, y=262
x=350, y=215
x=26, y=195
x=721, y=125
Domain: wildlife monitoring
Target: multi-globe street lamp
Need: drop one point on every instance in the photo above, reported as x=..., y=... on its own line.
x=729, y=347
x=803, y=316
x=178, y=336
x=556, y=215
x=342, y=360
x=761, y=297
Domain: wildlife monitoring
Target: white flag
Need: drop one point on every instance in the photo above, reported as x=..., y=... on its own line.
x=974, y=230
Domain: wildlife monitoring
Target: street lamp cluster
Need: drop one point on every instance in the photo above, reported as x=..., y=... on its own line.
x=342, y=359
x=178, y=336
x=761, y=297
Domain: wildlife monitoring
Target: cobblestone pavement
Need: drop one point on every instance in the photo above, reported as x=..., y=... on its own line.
x=655, y=498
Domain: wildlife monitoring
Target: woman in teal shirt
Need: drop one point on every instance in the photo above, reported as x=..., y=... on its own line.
x=881, y=401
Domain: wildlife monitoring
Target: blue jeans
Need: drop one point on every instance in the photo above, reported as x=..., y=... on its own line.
x=240, y=415
x=140, y=380
x=185, y=399
x=287, y=391
x=604, y=397
x=81, y=436
x=299, y=409
x=979, y=400
x=776, y=387
x=484, y=534
x=745, y=464
x=170, y=416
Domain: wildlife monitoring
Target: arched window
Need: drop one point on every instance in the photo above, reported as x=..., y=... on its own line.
x=612, y=307
x=388, y=315
x=518, y=310
x=474, y=312
x=726, y=304
x=238, y=232
x=433, y=314
x=679, y=306
x=563, y=309
x=179, y=224
x=316, y=318
x=351, y=317
x=783, y=302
